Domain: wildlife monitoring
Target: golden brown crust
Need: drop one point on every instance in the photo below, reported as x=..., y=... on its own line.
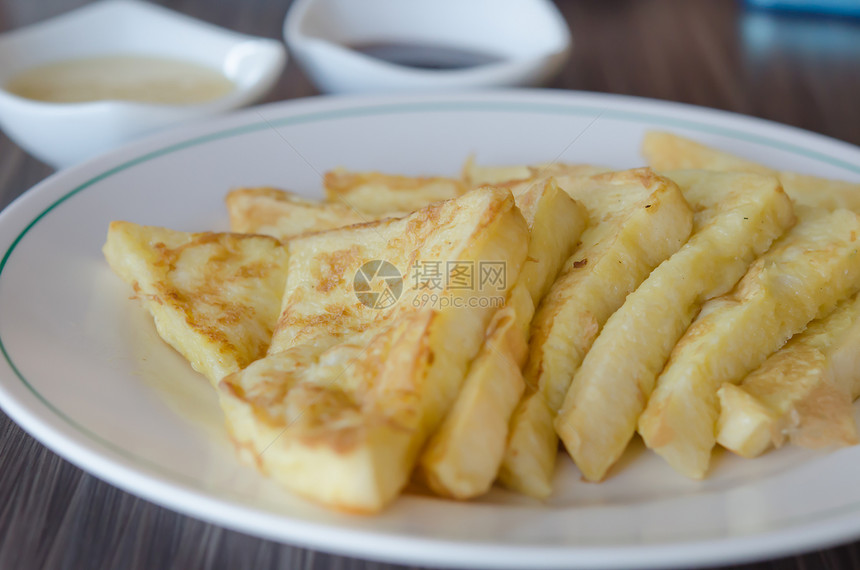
x=214, y=296
x=343, y=182
x=285, y=215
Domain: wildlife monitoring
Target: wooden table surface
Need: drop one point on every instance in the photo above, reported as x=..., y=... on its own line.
x=799, y=70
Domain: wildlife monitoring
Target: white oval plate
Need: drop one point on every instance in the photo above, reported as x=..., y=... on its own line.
x=84, y=372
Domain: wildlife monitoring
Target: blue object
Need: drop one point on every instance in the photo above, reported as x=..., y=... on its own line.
x=765, y=33
x=833, y=7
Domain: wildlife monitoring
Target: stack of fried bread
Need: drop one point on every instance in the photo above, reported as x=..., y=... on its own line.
x=453, y=331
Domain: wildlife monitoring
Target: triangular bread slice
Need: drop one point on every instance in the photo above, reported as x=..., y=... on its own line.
x=284, y=215
x=377, y=194
x=368, y=354
x=474, y=174
x=214, y=297
x=667, y=151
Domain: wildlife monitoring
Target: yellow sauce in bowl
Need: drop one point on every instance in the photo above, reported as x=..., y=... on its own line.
x=126, y=78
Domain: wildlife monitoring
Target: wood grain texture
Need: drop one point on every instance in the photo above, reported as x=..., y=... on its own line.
x=797, y=70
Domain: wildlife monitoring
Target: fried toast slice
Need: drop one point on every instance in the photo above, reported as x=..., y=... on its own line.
x=802, y=393
x=353, y=384
x=737, y=217
x=215, y=297
x=462, y=458
x=284, y=215
x=667, y=151
x=378, y=194
x=803, y=276
x=474, y=174
x=638, y=220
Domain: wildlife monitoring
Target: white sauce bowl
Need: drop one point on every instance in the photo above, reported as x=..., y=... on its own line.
x=63, y=134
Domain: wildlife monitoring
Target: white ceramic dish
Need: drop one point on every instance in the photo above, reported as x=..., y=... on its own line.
x=530, y=38
x=84, y=372
x=63, y=134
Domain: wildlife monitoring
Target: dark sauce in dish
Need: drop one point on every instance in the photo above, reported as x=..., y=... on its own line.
x=426, y=56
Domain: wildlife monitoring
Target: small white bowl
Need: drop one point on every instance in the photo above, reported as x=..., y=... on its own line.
x=529, y=37
x=63, y=134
